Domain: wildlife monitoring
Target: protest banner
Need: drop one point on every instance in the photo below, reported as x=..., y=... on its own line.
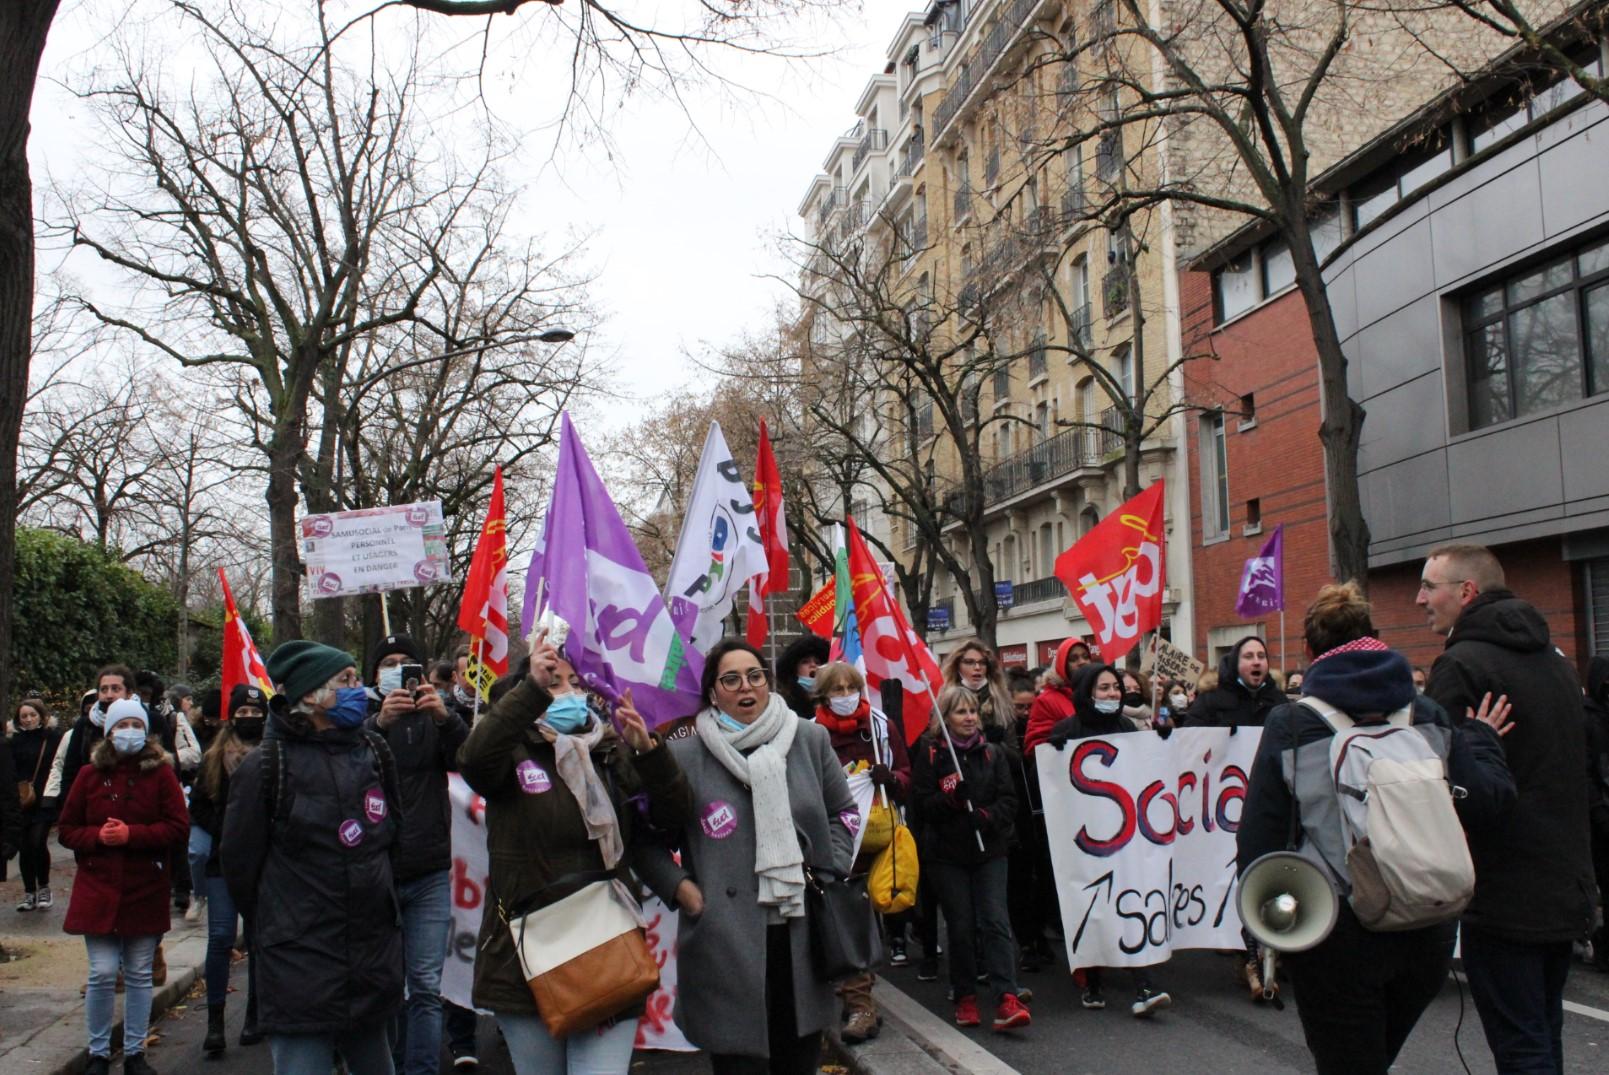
x=1142, y=841
x=375, y=549
x=1165, y=662
x=470, y=883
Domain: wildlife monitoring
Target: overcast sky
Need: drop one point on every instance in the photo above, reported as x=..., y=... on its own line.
x=682, y=222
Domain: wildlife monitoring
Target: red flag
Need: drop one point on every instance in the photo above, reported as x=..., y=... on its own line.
x=891, y=650
x=241, y=661
x=1115, y=573
x=483, y=614
x=773, y=535
x=816, y=613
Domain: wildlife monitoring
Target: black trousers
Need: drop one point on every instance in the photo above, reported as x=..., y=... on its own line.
x=1519, y=993
x=33, y=857
x=791, y=1053
x=1360, y=993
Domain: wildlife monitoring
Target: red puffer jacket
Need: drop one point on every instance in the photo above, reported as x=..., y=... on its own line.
x=1053, y=705
x=123, y=891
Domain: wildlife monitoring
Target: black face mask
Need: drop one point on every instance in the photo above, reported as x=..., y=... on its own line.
x=1133, y=699
x=250, y=729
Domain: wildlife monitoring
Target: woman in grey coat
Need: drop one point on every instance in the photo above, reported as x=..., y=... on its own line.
x=769, y=799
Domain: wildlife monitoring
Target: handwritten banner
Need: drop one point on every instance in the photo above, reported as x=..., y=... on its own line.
x=470, y=882
x=1142, y=841
x=375, y=549
x=1166, y=662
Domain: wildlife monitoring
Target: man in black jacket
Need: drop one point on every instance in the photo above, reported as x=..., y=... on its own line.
x=425, y=736
x=1533, y=874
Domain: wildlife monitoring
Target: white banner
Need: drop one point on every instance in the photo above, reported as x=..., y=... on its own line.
x=1142, y=841
x=864, y=791
x=375, y=549
x=470, y=875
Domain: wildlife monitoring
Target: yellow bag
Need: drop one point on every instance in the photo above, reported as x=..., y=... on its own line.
x=880, y=824
x=892, y=882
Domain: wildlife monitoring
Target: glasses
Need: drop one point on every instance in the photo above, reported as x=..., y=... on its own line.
x=1427, y=586
x=974, y=662
x=754, y=677
x=349, y=678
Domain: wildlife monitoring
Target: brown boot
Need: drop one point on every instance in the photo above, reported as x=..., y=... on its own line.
x=1250, y=975
x=862, y=1024
x=159, y=968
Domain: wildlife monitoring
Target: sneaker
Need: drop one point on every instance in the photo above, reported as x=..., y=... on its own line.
x=1010, y=1014
x=927, y=969
x=982, y=978
x=1025, y=995
x=29, y=902
x=1147, y=1001
x=44, y=899
x=1093, y=1000
x=896, y=954
x=466, y=1062
x=966, y=1012
x=196, y=910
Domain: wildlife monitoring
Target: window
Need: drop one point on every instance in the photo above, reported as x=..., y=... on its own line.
x=1540, y=338
x=1002, y=382
x=1248, y=410
x=1042, y=419
x=1502, y=116
x=1078, y=305
x=1279, y=268
x=1089, y=407
x=1236, y=286
x=922, y=409
x=1123, y=360
x=1047, y=550
x=1254, y=515
x=1214, y=477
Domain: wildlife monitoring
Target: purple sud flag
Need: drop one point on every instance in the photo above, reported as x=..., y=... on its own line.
x=1262, y=581
x=594, y=578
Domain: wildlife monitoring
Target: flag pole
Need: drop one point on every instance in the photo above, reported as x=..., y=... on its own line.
x=385, y=616
x=480, y=658
x=1283, y=668
x=954, y=758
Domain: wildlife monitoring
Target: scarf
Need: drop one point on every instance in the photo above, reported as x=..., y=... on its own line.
x=572, y=755
x=778, y=860
x=1357, y=645
x=844, y=725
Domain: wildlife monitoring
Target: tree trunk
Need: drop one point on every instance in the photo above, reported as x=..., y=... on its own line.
x=24, y=25
x=283, y=453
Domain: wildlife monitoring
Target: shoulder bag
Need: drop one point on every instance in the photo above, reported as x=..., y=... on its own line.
x=844, y=935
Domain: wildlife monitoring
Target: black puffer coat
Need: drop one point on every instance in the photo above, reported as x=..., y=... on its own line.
x=32, y=753
x=1533, y=871
x=1231, y=704
x=947, y=828
x=316, y=879
x=425, y=753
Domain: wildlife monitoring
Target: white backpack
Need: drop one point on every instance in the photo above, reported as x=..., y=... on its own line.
x=1406, y=854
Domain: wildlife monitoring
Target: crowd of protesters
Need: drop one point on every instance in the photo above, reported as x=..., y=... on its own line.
x=311, y=828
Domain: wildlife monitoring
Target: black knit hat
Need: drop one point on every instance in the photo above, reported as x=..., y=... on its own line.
x=246, y=694
x=211, y=703
x=388, y=645
x=301, y=667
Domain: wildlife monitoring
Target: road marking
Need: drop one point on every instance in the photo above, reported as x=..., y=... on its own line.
x=1570, y=1006
x=932, y=1031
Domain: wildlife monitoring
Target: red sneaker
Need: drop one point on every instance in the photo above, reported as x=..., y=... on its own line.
x=966, y=1012
x=1011, y=1014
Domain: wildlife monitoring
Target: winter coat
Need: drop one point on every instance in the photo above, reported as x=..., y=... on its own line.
x=721, y=961
x=10, y=812
x=1231, y=704
x=948, y=828
x=208, y=814
x=1597, y=710
x=1053, y=705
x=1533, y=871
x=536, y=839
x=426, y=752
x=123, y=891
x=314, y=875
x=25, y=748
x=856, y=747
x=71, y=754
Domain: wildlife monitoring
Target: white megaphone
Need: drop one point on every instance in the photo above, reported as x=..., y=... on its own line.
x=1287, y=904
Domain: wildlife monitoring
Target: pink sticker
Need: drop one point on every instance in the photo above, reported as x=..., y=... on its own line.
x=374, y=805
x=533, y=779
x=351, y=832
x=850, y=819
x=719, y=820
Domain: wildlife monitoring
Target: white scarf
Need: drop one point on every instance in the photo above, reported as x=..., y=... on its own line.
x=572, y=756
x=778, y=860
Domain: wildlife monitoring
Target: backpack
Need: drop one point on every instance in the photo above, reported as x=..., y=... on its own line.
x=274, y=769
x=1406, y=856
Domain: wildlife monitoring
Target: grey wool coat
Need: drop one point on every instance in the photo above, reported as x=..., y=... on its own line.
x=721, y=953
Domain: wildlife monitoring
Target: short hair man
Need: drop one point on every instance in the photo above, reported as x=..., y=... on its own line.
x=1533, y=875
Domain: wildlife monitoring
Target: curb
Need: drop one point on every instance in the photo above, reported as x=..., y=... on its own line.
x=914, y=1041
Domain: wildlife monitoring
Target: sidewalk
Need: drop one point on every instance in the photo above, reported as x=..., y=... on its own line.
x=41, y=1010
x=914, y=1041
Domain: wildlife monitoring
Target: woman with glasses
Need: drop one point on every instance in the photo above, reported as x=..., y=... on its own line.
x=975, y=667
x=307, y=842
x=769, y=801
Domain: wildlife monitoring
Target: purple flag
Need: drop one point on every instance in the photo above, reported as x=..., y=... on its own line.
x=1262, y=582
x=621, y=633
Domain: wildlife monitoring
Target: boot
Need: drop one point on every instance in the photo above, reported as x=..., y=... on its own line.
x=215, y=1042
x=249, y=1034
x=135, y=1064
x=159, y=968
x=98, y=1065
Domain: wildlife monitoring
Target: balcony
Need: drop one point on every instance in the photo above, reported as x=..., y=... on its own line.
x=1003, y=256
x=1072, y=206
x=989, y=50
x=874, y=141
x=1115, y=291
x=1052, y=458
x=1026, y=593
x=910, y=158
x=1078, y=327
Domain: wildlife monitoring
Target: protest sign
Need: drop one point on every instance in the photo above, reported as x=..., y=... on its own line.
x=471, y=877
x=375, y=549
x=1142, y=841
x=1165, y=662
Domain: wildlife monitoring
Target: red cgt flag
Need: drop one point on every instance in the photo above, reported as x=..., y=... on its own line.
x=1115, y=573
x=241, y=661
x=891, y=650
x=773, y=535
x=483, y=614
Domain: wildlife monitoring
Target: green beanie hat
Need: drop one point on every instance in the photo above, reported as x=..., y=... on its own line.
x=299, y=668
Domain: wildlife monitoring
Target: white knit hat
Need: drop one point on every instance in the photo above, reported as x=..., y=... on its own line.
x=124, y=708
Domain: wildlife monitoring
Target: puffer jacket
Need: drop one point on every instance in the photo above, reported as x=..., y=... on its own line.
x=1231, y=704
x=313, y=872
x=1533, y=871
x=536, y=839
x=123, y=890
x=947, y=826
x=425, y=753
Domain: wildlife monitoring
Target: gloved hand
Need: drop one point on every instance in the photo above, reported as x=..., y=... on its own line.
x=958, y=791
x=882, y=776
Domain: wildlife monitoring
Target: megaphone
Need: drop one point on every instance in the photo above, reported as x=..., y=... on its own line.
x=1287, y=903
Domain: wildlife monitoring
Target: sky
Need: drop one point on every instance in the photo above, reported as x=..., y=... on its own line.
x=681, y=210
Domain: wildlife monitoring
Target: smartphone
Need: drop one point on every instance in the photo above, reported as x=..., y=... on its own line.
x=413, y=677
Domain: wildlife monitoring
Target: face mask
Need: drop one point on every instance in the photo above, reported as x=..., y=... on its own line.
x=1108, y=706
x=567, y=714
x=390, y=679
x=807, y=683
x=1133, y=698
x=350, y=708
x=1242, y=681
x=844, y=706
x=128, y=740
x=974, y=685
x=464, y=697
x=249, y=728
x=728, y=722
x=1178, y=701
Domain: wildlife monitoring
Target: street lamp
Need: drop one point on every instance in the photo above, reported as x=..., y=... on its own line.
x=557, y=335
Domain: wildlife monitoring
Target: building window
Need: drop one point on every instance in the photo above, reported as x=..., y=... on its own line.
x=1502, y=116
x=1279, y=268
x=1236, y=286
x=1214, y=477
x=1254, y=515
x=1248, y=410
x=1539, y=338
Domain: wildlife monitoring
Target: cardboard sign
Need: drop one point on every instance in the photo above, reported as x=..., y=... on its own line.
x=375, y=549
x=1165, y=662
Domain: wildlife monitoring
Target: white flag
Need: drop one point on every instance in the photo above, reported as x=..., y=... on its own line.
x=719, y=549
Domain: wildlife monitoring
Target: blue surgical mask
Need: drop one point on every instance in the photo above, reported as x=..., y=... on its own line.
x=568, y=713
x=389, y=679
x=1108, y=705
x=728, y=722
x=128, y=740
x=807, y=683
x=350, y=708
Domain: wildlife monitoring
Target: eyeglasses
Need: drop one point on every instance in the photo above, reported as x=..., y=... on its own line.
x=974, y=662
x=1426, y=585
x=349, y=678
x=754, y=677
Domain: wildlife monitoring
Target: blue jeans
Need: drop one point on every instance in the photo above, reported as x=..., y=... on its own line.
x=603, y=1051
x=426, y=931
x=221, y=932
x=107, y=955
x=974, y=902
x=366, y=1051
x=200, y=852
